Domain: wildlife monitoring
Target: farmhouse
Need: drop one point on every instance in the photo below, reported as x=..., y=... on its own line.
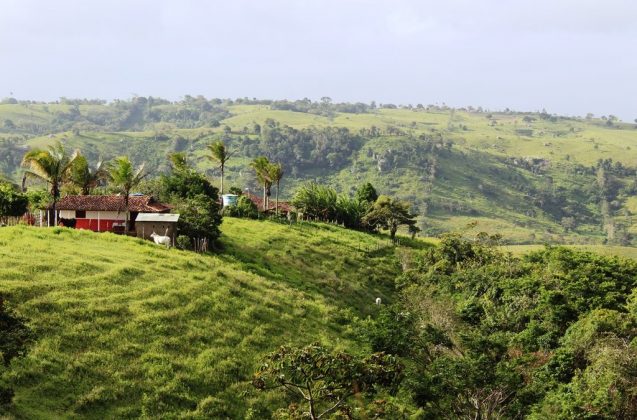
x=101, y=213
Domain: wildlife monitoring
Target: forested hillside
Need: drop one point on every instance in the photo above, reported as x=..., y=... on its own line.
x=532, y=176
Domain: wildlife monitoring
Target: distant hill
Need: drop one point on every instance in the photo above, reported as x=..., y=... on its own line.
x=534, y=177
x=125, y=328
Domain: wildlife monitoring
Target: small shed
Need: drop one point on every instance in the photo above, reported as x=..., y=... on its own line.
x=160, y=223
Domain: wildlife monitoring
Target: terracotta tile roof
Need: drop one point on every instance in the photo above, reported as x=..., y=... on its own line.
x=284, y=206
x=141, y=203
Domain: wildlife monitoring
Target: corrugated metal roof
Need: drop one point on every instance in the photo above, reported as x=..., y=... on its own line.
x=157, y=217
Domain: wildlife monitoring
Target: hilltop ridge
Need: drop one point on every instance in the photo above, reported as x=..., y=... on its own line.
x=535, y=177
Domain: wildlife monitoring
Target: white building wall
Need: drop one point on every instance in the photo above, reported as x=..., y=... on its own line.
x=106, y=215
x=67, y=214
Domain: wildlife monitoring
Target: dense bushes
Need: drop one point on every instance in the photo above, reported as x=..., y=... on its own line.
x=12, y=202
x=366, y=210
x=15, y=337
x=329, y=147
x=199, y=218
x=487, y=335
x=194, y=198
x=244, y=208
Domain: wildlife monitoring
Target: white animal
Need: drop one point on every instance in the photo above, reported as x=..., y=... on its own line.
x=161, y=240
x=378, y=301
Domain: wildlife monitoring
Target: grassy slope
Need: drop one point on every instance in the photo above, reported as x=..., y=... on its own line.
x=126, y=328
x=476, y=161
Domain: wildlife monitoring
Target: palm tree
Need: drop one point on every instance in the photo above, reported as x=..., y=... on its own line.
x=179, y=161
x=86, y=178
x=124, y=176
x=52, y=166
x=219, y=154
x=261, y=166
x=275, y=172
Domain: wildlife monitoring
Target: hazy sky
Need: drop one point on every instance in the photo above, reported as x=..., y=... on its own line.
x=568, y=56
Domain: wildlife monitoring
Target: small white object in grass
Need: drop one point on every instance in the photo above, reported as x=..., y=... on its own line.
x=161, y=240
x=378, y=301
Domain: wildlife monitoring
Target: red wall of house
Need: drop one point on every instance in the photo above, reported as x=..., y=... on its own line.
x=92, y=224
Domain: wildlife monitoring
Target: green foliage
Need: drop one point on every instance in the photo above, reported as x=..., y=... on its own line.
x=12, y=202
x=235, y=191
x=328, y=147
x=184, y=242
x=15, y=338
x=350, y=211
x=86, y=178
x=388, y=213
x=324, y=381
x=186, y=183
x=367, y=193
x=124, y=177
x=199, y=217
x=38, y=199
x=393, y=331
x=316, y=201
x=244, y=208
x=487, y=334
x=52, y=166
x=220, y=155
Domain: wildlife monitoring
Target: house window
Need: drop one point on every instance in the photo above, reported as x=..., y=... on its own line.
x=80, y=214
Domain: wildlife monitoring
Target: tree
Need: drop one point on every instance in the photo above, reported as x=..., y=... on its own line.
x=85, y=178
x=367, y=193
x=199, y=218
x=275, y=173
x=184, y=182
x=413, y=230
x=12, y=202
x=52, y=166
x=178, y=161
x=219, y=154
x=323, y=380
x=196, y=199
x=125, y=177
x=387, y=213
x=261, y=166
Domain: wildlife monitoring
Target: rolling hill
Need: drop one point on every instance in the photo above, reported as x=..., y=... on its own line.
x=125, y=328
x=531, y=176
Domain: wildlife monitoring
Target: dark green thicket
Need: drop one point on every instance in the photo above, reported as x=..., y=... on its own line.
x=15, y=338
x=485, y=334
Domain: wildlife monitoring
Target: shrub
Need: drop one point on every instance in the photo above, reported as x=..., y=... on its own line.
x=244, y=208
x=183, y=242
x=199, y=218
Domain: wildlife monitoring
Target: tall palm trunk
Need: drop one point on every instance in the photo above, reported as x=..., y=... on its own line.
x=222, y=169
x=55, y=214
x=276, y=199
x=265, y=198
x=55, y=190
x=126, y=212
